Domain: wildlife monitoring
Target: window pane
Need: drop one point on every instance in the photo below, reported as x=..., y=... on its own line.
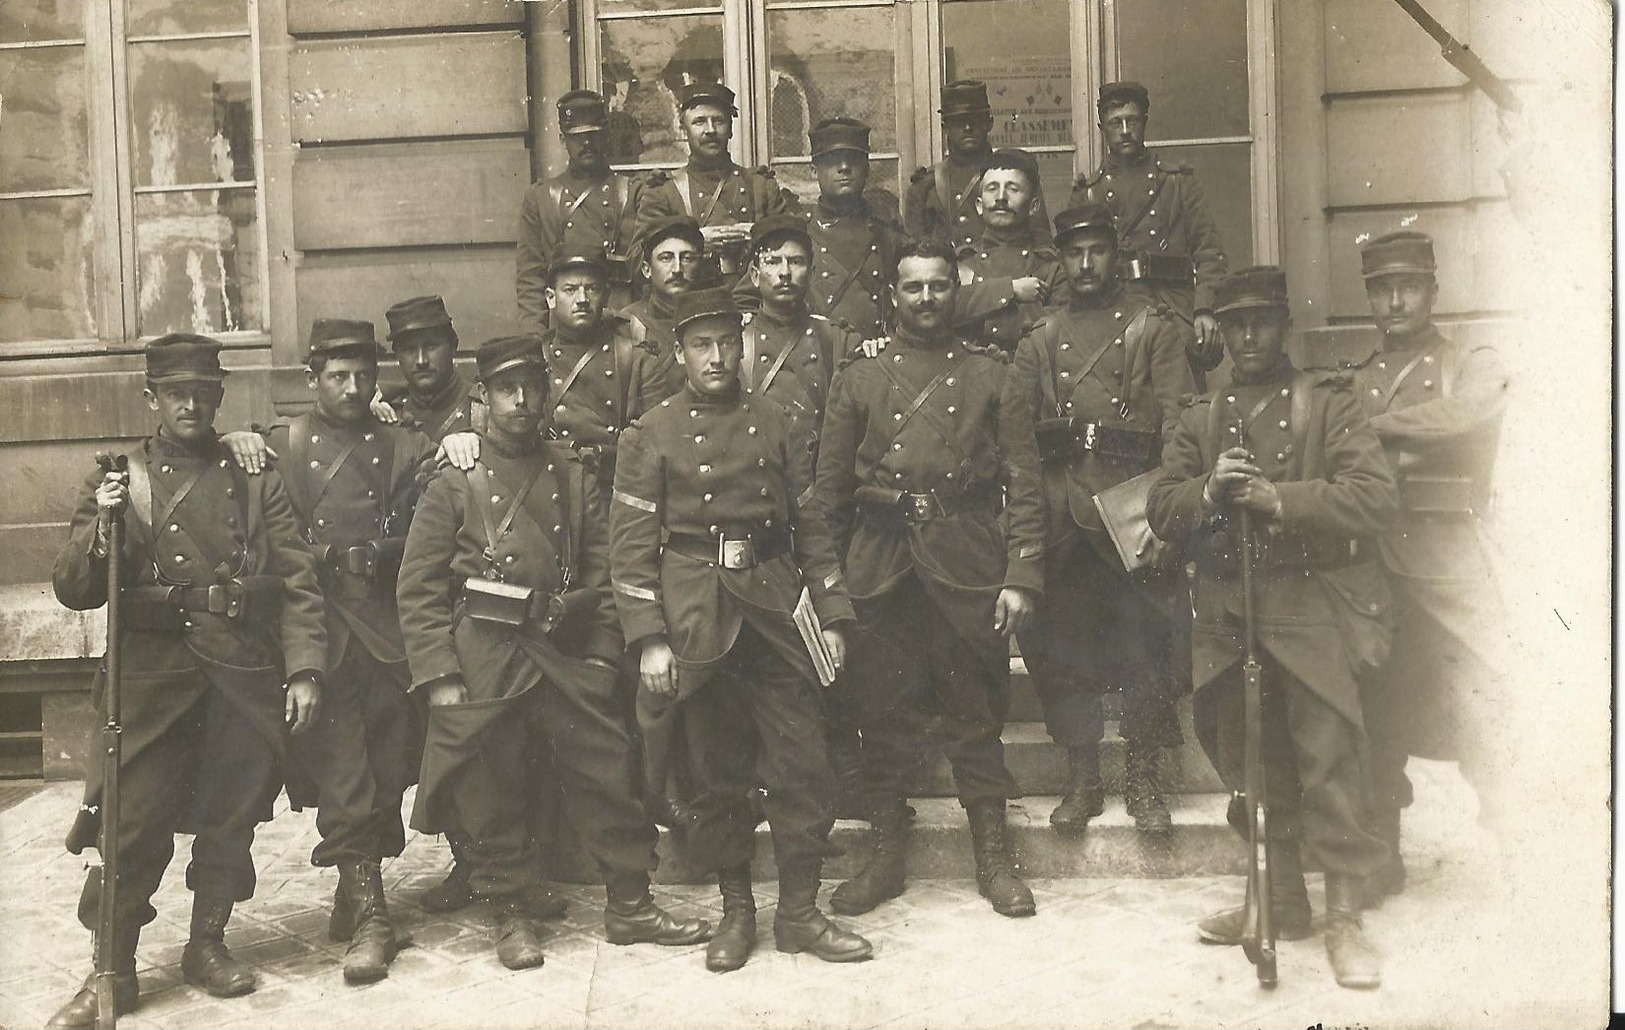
x=826, y=63
x=1225, y=172
x=44, y=132
x=801, y=180
x=164, y=17
x=48, y=268
x=193, y=111
x=197, y=262
x=645, y=62
x=1192, y=56
x=23, y=21
x=1022, y=50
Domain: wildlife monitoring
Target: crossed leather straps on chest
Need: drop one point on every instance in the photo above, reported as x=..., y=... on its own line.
x=918, y=406
x=1298, y=391
x=305, y=498
x=1131, y=337
x=141, y=505
x=496, y=531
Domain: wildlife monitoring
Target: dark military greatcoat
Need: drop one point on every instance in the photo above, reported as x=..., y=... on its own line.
x=600, y=384
x=651, y=325
x=1161, y=213
x=853, y=262
x=1322, y=603
x=575, y=213
x=455, y=410
x=724, y=195
x=941, y=202
x=987, y=307
x=792, y=362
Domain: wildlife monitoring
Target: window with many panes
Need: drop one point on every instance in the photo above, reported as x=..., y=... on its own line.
x=794, y=62
x=130, y=198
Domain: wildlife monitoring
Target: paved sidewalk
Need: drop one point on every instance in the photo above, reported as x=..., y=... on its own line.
x=1100, y=952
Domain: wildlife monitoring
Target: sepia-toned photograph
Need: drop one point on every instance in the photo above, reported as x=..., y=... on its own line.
x=940, y=514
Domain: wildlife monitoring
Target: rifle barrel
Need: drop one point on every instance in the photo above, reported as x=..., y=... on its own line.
x=1462, y=58
x=107, y=843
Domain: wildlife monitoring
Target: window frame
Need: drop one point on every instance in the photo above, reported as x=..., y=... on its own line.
x=113, y=190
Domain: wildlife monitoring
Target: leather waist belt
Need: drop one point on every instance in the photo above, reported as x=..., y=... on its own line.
x=730, y=552
x=1173, y=269
x=360, y=560
x=1296, y=553
x=166, y=607
x=1063, y=439
x=598, y=458
x=882, y=503
x=513, y=605
x=1436, y=495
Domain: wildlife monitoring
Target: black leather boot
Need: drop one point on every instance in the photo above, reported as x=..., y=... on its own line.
x=373, y=944
x=798, y=926
x=1290, y=908
x=80, y=1011
x=1142, y=790
x=205, y=962
x=1085, y=794
x=736, y=934
x=449, y=895
x=1389, y=879
x=996, y=875
x=1354, y=961
x=886, y=873
x=632, y=917
x=519, y=945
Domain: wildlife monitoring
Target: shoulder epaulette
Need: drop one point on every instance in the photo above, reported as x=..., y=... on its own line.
x=853, y=356
x=1338, y=376
x=919, y=174
x=1033, y=328
x=815, y=316
x=1085, y=182
x=1191, y=400
x=967, y=251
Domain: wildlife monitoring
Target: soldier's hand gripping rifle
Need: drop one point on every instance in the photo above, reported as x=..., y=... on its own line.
x=1258, y=925
x=107, y=844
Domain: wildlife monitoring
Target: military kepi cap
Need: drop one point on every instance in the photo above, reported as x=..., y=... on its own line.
x=1398, y=253
x=582, y=110
x=767, y=230
x=1082, y=218
x=967, y=96
x=342, y=337
x=714, y=93
x=417, y=313
x=497, y=355
x=703, y=303
x=1124, y=92
x=577, y=259
x=1260, y=286
x=683, y=226
x=836, y=134
x=184, y=358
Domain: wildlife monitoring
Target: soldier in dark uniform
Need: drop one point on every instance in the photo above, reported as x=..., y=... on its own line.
x=219, y=605
x=437, y=401
x=854, y=248
x=1436, y=405
x=1296, y=450
x=353, y=482
x=1171, y=247
x=941, y=200
x=1103, y=376
x=917, y=453
x=511, y=636
x=587, y=207
x=711, y=189
x=1006, y=276
x=712, y=548
x=673, y=260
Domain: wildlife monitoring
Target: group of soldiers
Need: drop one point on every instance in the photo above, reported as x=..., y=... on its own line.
x=743, y=524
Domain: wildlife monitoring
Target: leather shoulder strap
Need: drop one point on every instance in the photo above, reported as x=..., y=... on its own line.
x=1303, y=385
x=293, y=473
x=141, y=494
x=679, y=182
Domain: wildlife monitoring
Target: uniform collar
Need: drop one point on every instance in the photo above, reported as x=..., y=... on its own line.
x=448, y=397
x=1008, y=238
x=797, y=318
x=904, y=338
x=659, y=307
x=362, y=426
x=593, y=338
x=1280, y=373
x=700, y=166
x=703, y=400
x=169, y=447
x=515, y=449
x=857, y=207
x=1114, y=163
x=1100, y=301
x=1424, y=339
x=573, y=177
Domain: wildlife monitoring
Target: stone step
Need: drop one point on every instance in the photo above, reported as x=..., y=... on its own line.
x=939, y=845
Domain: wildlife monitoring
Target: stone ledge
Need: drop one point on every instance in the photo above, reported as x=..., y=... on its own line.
x=34, y=626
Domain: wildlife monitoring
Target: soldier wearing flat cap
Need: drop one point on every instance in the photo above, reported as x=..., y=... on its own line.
x=917, y=458
x=1295, y=449
x=353, y=482
x=223, y=652
x=1171, y=247
x=437, y=400
x=587, y=207
x=1008, y=273
x=1436, y=405
x=1101, y=377
x=941, y=200
x=712, y=547
x=511, y=637
x=711, y=189
x=854, y=245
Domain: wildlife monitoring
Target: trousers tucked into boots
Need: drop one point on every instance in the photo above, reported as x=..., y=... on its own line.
x=1354, y=961
x=736, y=934
x=885, y=874
x=205, y=962
x=996, y=874
x=373, y=943
x=798, y=926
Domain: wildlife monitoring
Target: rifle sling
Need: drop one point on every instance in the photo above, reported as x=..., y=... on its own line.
x=918, y=405
x=575, y=373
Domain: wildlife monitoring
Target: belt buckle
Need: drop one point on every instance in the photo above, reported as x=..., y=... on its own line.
x=1136, y=269
x=736, y=554
x=220, y=601
x=924, y=507
x=1089, y=439
x=359, y=560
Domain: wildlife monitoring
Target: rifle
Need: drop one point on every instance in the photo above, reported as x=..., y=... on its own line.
x=1462, y=58
x=1259, y=922
x=112, y=750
